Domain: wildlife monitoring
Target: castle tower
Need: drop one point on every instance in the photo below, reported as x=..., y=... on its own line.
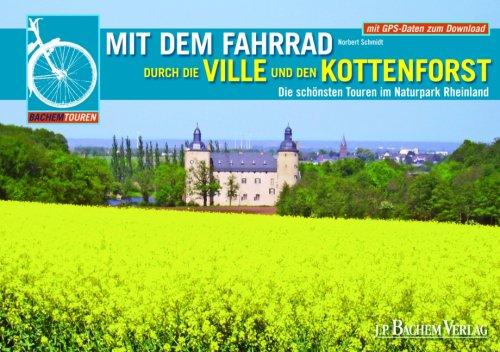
x=288, y=161
x=194, y=154
x=343, y=148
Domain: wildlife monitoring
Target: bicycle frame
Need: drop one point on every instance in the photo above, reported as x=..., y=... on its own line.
x=41, y=46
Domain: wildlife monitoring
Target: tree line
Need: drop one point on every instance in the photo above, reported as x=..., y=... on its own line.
x=148, y=170
x=36, y=165
x=464, y=188
x=162, y=172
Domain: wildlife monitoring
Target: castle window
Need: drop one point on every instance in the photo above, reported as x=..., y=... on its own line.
x=242, y=162
x=257, y=180
x=271, y=190
x=272, y=182
x=244, y=197
x=257, y=197
x=296, y=177
x=243, y=180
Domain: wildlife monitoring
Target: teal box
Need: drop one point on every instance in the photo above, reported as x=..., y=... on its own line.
x=62, y=63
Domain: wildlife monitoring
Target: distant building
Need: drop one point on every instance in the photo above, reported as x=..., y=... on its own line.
x=405, y=151
x=324, y=158
x=260, y=175
x=343, y=148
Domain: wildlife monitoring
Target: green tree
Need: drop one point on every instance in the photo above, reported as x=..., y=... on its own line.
x=447, y=170
x=464, y=189
x=174, y=155
x=75, y=180
x=128, y=153
x=381, y=172
x=167, y=157
x=365, y=154
x=157, y=155
x=202, y=182
x=140, y=154
x=420, y=203
x=347, y=167
x=115, y=164
x=169, y=184
x=282, y=205
x=214, y=185
x=486, y=208
x=122, y=165
x=127, y=187
x=232, y=188
x=469, y=153
x=181, y=156
x=145, y=183
x=443, y=202
x=149, y=156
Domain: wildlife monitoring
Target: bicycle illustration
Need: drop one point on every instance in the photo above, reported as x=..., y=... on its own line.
x=61, y=74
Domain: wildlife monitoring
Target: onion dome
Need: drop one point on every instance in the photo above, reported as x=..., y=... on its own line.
x=288, y=145
x=197, y=144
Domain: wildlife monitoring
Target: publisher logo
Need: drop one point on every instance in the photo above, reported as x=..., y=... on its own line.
x=62, y=69
x=447, y=329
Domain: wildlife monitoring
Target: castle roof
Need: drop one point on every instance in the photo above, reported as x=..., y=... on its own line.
x=288, y=145
x=197, y=143
x=244, y=162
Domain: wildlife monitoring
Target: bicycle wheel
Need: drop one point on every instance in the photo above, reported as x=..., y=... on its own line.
x=72, y=84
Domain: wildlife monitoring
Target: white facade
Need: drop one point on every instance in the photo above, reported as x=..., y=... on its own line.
x=255, y=188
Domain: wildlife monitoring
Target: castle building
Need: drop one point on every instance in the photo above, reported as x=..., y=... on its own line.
x=260, y=176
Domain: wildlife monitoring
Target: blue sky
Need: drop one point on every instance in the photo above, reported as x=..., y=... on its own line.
x=312, y=120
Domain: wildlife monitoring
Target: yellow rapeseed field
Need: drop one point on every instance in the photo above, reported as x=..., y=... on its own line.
x=89, y=278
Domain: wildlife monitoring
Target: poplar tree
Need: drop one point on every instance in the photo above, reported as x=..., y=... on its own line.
x=151, y=157
x=140, y=155
x=128, y=151
x=181, y=156
x=114, y=158
x=167, y=157
x=157, y=155
x=149, y=163
x=121, y=162
x=174, y=155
